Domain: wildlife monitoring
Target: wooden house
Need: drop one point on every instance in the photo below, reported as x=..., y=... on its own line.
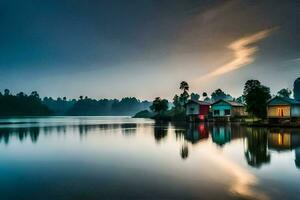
x=283, y=108
x=227, y=109
x=197, y=110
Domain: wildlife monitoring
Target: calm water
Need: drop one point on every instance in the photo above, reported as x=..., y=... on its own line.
x=120, y=157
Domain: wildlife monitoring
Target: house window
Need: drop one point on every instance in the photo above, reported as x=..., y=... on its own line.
x=216, y=112
x=280, y=112
x=227, y=112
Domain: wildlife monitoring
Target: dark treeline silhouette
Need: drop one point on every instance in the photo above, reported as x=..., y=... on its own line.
x=125, y=106
x=60, y=106
x=22, y=104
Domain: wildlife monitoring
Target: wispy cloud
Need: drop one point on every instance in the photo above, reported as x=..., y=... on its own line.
x=243, y=53
x=296, y=60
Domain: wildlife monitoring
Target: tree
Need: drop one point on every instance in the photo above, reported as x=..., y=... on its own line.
x=184, y=86
x=35, y=94
x=220, y=94
x=176, y=102
x=297, y=89
x=159, y=105
x=285, y=92
x=256, y=97
x=240, y=99
x=21, y=104
x=184, y=96
x=195, y=96
x=6, y=92
x=205, y=97
x=20, y=94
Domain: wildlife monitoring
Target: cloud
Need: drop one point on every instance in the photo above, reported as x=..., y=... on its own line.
x=243, y=53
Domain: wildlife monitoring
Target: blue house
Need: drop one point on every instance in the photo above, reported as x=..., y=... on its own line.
x=225, y=108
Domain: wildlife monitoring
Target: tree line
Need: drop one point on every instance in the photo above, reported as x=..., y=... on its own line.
x=22, y=104
x=255, y=97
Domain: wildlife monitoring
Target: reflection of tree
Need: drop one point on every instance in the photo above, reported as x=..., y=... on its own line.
x=160, y=132
x=128, y=129
x=179, y=134
x=297, y=159
x=179, y=130
x=184, y=153
x=34, y=134
x=256, y=153
x=20, y=133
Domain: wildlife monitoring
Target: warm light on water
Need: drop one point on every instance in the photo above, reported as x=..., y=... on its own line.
x=120, y=157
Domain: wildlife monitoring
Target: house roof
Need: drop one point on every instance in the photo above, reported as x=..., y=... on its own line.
x=232, y=103
x=278, y=100
x=198, y=102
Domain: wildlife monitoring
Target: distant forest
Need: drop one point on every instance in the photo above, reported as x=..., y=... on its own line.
x=22, y=104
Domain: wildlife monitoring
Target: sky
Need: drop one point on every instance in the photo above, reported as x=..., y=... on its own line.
x=145, y=48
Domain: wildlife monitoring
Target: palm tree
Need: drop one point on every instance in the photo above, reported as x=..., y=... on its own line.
x=184, y=86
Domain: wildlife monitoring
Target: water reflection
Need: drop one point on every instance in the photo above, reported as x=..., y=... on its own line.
x=196, y=132
x=160, y=131
x=129, y=129
x=221, y=134
x=217, y=161
x=283, y=139
x=20, y=133
x=184, y=153
x=258, y=142
x=257, y=150
x=297, y=158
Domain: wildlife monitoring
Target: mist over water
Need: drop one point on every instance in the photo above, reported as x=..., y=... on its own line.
x=121, y=157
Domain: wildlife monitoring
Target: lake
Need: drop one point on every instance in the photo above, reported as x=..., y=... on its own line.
x=120, y=157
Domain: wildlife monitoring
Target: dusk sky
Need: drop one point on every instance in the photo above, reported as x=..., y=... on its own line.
x=145, y=48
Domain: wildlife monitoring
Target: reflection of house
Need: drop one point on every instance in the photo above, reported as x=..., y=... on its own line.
x=224, y=108
x=283, y=108
x=221, y=134
x=280, y=141
x=197, y=110
x=197, y=132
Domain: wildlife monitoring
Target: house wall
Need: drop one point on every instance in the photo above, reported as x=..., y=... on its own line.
x=239, y=111
x=204, y=109
x=296, y=111
x=221, y=107
x=273, y=111
x=192, y=109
